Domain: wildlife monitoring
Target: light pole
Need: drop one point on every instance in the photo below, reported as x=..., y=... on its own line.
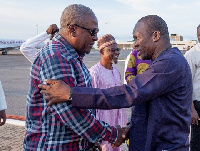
x=37, y=28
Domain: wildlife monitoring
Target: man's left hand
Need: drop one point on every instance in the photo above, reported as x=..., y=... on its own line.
x=55, y=91
x=2, y=117
x=120, y=139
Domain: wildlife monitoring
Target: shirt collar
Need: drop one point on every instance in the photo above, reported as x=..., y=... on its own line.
x=71, y=50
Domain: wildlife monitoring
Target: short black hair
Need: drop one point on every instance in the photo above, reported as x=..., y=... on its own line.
x=155, y=23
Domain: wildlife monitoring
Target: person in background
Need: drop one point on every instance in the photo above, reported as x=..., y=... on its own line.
x=61, y=126
x=134, y=65
x=3, y=106
x=29, y=47
x=193, y=58
x=105, y=75
x=166, y=86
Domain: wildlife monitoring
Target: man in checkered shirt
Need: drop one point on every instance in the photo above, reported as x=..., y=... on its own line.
x=61, y=126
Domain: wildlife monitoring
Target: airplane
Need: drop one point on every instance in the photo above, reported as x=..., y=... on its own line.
x=9, y=44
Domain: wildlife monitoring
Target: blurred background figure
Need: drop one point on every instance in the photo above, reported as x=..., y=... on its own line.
x=134, y=65
x=105, y=75
x=193, y=58
x=3, y=106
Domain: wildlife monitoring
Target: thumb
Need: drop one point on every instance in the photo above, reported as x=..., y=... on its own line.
x=51, y=81
x=50, y=103
x=125, y=132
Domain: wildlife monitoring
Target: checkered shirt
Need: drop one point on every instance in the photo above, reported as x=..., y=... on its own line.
x=61, y=126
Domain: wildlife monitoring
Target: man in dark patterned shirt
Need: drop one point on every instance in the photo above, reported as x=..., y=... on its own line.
x=61, y=126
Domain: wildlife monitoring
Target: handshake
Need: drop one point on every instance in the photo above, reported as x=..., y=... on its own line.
x=122, y=135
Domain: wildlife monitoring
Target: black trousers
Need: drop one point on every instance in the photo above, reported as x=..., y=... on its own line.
x=195, y=131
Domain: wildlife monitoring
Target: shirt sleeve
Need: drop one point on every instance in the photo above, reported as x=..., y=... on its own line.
x=29, y=47
x=3, y=105
x=81, y=121
x=157, y=80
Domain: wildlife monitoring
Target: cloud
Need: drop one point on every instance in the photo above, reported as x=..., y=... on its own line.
x=140, y=5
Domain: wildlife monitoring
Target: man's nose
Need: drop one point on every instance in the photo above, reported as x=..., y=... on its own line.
x=95, y=38
x=135, y=44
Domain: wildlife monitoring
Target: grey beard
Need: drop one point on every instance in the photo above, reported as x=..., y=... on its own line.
x=115, y=62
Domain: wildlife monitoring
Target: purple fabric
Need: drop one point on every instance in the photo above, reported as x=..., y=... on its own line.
x=135, y=66
x=104, y=78
x=167, y=87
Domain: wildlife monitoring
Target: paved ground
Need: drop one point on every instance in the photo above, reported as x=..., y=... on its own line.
x=11, y=137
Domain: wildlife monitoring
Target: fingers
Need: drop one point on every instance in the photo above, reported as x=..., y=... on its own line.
x=43, y=87
x=125, y=131
x=51, y=81
x=119, y=140
x=2, y=121
x=50, y=103
x=52, y=29
x=113, y=146
x=48, y=81
x=2, y=117
x=195, y=121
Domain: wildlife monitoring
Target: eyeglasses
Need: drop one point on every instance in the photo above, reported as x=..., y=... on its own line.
x=114, y=49
x=92, y=32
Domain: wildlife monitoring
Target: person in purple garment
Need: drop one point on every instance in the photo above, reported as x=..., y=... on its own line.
x=135, y=65
x=105, y=75
x=166, y=87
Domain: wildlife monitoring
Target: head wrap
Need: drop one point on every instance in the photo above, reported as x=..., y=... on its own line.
x=105, y=41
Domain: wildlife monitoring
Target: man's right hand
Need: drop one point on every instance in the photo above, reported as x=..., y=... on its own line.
x=194, y=115
x=120, y=138
x=55, y=91
x=51, y=29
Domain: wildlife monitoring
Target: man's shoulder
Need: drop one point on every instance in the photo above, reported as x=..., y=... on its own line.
x=55, y=49
x=171, y=57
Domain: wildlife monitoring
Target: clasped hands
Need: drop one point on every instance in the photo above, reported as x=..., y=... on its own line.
x=122, y=135
x=50, y=90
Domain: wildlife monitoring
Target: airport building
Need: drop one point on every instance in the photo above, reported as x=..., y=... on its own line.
x=176, y=41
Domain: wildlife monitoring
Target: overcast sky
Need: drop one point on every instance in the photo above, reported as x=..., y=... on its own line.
x=21, y=19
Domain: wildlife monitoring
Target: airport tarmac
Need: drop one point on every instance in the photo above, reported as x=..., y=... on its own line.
x=15, y=71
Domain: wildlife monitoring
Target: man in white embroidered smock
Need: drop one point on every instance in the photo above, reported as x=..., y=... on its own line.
x=105, y=75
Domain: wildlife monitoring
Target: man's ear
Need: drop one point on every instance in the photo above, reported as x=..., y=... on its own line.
x=72, y=30
x=156, y=36
x=101, y=51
